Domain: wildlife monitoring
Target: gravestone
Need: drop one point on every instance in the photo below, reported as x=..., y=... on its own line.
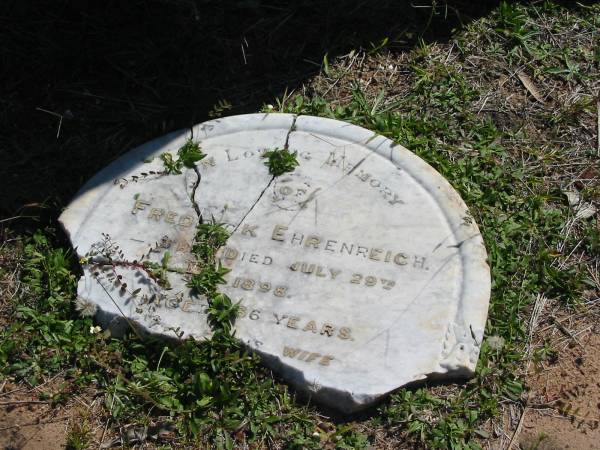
x=359, y=272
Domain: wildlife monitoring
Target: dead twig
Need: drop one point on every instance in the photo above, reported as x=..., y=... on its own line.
x=24, y=402
x=60, y=116
x=598, y=127
x=518, y=429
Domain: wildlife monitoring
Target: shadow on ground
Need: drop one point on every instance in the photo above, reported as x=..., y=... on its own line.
x=83, y=82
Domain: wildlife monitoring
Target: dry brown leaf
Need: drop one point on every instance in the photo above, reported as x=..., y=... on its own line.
x=533, y=90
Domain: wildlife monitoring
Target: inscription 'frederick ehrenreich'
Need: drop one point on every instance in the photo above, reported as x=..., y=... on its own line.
x=310, y=241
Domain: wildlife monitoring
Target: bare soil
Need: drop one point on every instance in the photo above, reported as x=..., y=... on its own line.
x=564, y=399
x=27, y=423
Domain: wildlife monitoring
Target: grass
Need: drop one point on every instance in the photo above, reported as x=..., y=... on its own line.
x=511, y=149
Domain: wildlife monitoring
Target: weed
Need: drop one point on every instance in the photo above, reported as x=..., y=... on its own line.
x=513, y=24
x=219, y=109
x=158, y=272
x=280, y=161
x=79, y=436
x=209, y=238
x=187, y=156
x=207, y=281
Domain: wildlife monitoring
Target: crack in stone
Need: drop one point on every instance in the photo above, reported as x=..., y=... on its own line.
x=254, y=204
x=193, y=196
x=196, y=184
x=286, y=146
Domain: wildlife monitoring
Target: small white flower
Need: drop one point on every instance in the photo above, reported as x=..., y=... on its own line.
x=85, y=307
x=495, y=342
x=270, y=107
x=95, y=330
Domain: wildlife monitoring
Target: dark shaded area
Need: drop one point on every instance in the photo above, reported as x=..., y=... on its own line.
x=115, y=74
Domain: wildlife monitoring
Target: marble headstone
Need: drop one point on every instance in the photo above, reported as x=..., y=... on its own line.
x=359, y=272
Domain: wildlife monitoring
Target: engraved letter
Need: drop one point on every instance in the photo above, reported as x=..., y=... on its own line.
x=327, y=329
x=349, y=250
x=297, y=238
x=170, y=217
x=249, y=230
x=290, y=352
x=325, y=360
x=344, y=333
x=363, y=176
x=280, y=291
x=330, y=242
x=334, y=273
x=267, y=261
x=395, y=200
x=310, y=326
x=139, y=206
x=362, y=251
x=312, y=240
x=279, y=319
x=400, y=259
x=374, y=254
x=307, y=268
x=155, y=213
x=248, y=284
x=186, y=221
x=208, y=162
x=229, y=156
x=278, y=232
x=230, y=253
x=293, y=322
x=312, y=357
x=419, y=262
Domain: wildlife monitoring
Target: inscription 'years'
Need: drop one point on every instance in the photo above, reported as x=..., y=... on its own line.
x=325, y=329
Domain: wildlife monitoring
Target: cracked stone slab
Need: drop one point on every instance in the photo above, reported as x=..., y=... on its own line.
x=358, y=273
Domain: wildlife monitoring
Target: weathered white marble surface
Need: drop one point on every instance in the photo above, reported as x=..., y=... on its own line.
x=358, y=273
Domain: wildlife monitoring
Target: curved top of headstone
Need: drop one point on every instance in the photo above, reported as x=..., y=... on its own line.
x=359, y=272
